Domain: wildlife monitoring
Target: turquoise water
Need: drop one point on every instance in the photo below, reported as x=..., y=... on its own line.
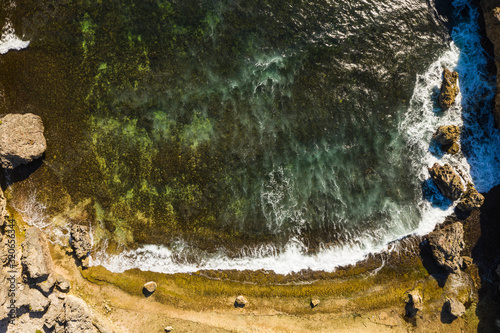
x=236, y=128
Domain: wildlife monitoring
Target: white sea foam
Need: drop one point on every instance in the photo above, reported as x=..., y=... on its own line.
x=10, y=41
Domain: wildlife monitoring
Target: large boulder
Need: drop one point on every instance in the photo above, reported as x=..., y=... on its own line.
x=447, y=181
x=470, y=199
x=448, y=137
x=77, y=315
x=449, y=89
x=21, y=139
x=36, y=260
x=81, y=241
x=446, y=245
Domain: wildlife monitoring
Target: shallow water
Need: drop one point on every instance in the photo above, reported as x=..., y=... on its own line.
x=237, y=134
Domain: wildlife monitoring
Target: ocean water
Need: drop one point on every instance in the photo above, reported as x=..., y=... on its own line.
x=243, y=135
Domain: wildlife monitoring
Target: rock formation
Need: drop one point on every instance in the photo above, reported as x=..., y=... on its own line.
x=21, y=139
x=77, y=315
x=414, y=303
x=81, y=242
x=315, y=302
x=470, y=199
x=454, y=307
x=448, y=137
x=447, y=181
x=3, y=208
x=240, y=302
x=449, y=89
x=446, y=245
x=491, y=10
x=150, y=287
x=36, y=259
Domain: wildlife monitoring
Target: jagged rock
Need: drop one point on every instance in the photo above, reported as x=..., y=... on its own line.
x=150, y=287
x=36, y=259
x=449, y=89
x=62, y=284
x=33, y=299
x=3, y=209
x=454, y=307
x=491, y=10
x=55, y=314
x=470, y=199
x=77, y=315
x=21, y=139
x=414, y=303
x=81, y=241
x=448, y=137
x=46, y=286
x=314, y=302
x=446, y=245
x=447, y=181
x=240, y=302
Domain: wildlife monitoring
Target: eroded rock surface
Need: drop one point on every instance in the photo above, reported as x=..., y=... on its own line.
x=21, y=139
x=448, y=137
x=454, y=307
x=449, y=89
x=446, y=245
x=447, y=180
x=470, y=199
x=77, y=315
x=36, y=259
x=81, y=241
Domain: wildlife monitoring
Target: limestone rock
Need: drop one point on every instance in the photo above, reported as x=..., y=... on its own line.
x=449, y=89
x=81, y=241
x=448, y=137
x=62, y=284
x=491, y=10
x=77, y=315
x=55, y=314
x=446, y=245
x=3, y=210
x=447, y=180
x=33, y=299
x=36, y=259
x=454, y=307
x=314, y=302
x=150, y=287
x=21, y=139
x=414, y=303
x=470, y=199
x=240, y=302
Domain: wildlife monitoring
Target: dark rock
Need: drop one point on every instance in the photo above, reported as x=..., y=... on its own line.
x=470, y=199
x=81, y=241
x=449, y=89
x=447, y=181
x=446, y=245
x=240, y=302
x=21, y=139
x=491, y=10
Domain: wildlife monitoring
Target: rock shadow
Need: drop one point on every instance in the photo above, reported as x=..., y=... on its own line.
x=432, y=194
x=147, y=293
x=23, y=171
x=446, y=316
x=437, y=272
x=238, y=305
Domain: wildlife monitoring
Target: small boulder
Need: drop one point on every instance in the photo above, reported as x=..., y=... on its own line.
x=21, y=139
x=454, y=307
x=81, y=241
x=149, y=287
x=62, y=284
x=36, y=259
x=470, y=199
x=446, y=245
x=447, y=181
x=449, y=89
x=314, y=302
x=414, y=303
x=77, y=315
x=240, y=302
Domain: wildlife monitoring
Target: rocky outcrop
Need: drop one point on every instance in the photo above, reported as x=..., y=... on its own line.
x=447, y=181
x=240, y=302
x=446, y=245
x=414, y=303
x=21, y=139
x=3, y=209
x=77, y=315
x=36, y=260
x=454, y=308
x=471, y=199
x=491, y=10
x=448, y=137
x=449, y=89
x=81, y=242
